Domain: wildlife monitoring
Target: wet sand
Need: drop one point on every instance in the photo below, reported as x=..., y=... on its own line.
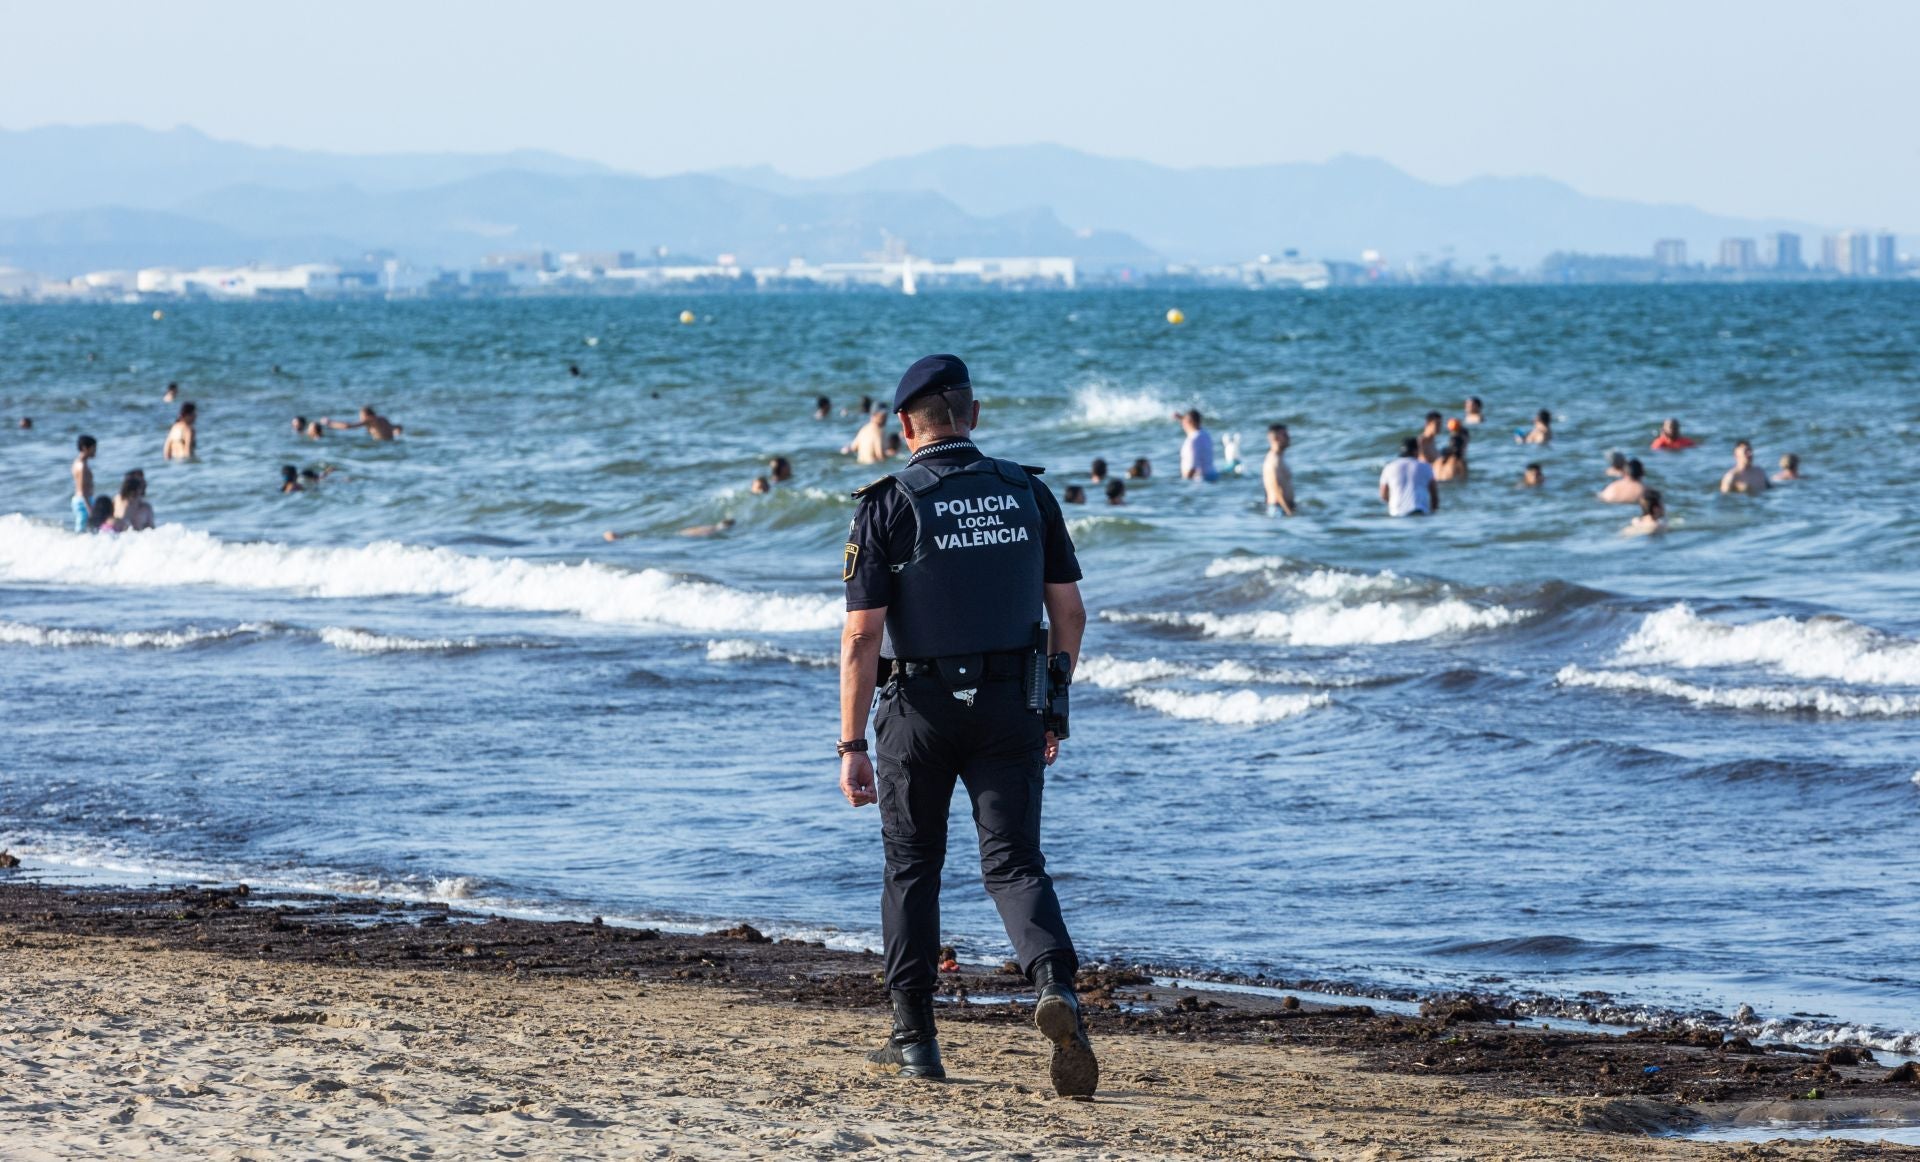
x=216, y=1023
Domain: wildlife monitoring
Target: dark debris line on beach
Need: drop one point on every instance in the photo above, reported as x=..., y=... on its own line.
x=1466, y=1041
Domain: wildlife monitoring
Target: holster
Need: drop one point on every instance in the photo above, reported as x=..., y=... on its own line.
x=1059, y=683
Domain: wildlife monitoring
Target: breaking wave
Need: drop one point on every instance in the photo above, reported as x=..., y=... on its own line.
x=1100, y=405
x=746, y=651
x=1780, y=699
x=1369, y=623
x=1320, y=583
x=1229, y=707
x=15, y=633
x=1829, y=648
x=360, y=641
x=172, y=555
x=1116, y=674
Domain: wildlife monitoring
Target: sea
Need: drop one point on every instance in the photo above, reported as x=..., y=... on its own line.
x=1505, y=749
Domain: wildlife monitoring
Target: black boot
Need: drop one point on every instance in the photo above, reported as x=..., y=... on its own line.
x=912, y=1051
x=1076, y=1072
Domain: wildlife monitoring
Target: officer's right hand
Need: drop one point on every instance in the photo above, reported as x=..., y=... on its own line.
x=856, y=778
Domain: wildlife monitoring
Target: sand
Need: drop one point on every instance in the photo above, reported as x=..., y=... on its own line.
x=113, y=1046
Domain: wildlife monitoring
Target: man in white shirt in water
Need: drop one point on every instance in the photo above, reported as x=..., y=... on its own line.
x=1196, y=452
x=1407, y=484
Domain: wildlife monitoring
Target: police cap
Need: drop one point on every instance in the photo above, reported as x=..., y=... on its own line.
x=932, y=374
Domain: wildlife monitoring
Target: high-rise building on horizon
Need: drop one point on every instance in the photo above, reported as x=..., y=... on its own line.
x=1737, y=254
x=1853, y=252
x=1784, y=251
x=1886, y=255
x=1670, y=252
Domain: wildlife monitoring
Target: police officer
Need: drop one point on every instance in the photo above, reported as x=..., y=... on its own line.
x=949, y=565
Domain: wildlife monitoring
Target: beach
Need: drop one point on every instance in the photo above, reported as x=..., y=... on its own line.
x=196, y=1020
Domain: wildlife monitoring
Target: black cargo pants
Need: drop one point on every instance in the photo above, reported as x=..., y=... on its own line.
x=925, y=738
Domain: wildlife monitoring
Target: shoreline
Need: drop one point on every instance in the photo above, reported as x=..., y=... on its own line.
x=1190, y=1072
x=1602, y=1013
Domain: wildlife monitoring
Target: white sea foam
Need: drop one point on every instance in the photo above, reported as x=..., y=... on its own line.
x=1780, y=699
x=1323, y=584
x=172, y=555
x=1228, y=707
x=16, y=633
x=746, y=651
x=1369, y=623
x=1829, y=648
x=361, y=641
x=1117, y=674
x=1102, y=405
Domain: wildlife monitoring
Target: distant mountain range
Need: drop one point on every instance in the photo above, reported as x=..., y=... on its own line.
x=82, y=198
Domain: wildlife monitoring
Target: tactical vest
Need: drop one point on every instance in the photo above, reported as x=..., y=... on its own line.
x=975, y=581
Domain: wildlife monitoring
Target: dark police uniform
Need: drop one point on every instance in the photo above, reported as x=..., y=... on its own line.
x=957, y=546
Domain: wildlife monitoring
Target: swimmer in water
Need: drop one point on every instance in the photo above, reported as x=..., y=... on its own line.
x=895, y=445
x=87, y=446
x=1075, y=495
x=712, y=530
x=1670, y=439
x=573, y=369
x=1474, y=413
x=1116, y=492
x=172, y=393
x=1451, y=467
x=131, y=512
x=315, y=429
x=100, y=519
x=1275, y=477
x=180, y=437
x=759, y=487
x=1140, y=469
x=780, y=469
x=1097, y=473
x=377, y=425
x=822, y=407
x=1629, y=488
x=1652, y=518
x=1542, y=431
x=869, y=444
x=26, y=423
x=1616, y=464
x=1789, y=469
x=290, y=479
x=1745, y=476
x=1430, y=439
x=1533, y=477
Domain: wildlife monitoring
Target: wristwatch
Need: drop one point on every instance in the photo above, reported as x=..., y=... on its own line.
x=852, y=746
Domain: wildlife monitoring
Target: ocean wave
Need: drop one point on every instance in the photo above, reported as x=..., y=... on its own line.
x=16, y=633
x=1829, y=648
x=746, y=651
x=1369, y=623
x=1102, y=405
x=1117, y=674
x=1316, y=582
x=172, y=555
x=1779, y=699
x=1227, y=707
x=360, y=641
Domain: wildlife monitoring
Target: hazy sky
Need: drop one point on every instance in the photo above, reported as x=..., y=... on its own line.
x=1765, y=107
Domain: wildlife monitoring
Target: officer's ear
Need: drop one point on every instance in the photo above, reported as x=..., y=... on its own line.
x=906, y=426
x=973, y=421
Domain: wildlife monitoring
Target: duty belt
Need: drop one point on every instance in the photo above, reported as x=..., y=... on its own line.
x=1002, y=667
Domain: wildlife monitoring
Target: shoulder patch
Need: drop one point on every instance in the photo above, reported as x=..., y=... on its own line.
x=849, y=561
x=866, y=488
x=1032, y=471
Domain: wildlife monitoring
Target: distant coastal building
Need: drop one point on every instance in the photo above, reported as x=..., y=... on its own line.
x=1784, y=251
x=1737, y=254
x=1670, y=253
x=240, y=282
x=1849, y=252
x=1886, y=255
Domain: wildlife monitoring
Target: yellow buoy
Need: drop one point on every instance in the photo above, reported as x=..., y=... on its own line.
x=686, y=316
x=1176, y=316
x=159, y=315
